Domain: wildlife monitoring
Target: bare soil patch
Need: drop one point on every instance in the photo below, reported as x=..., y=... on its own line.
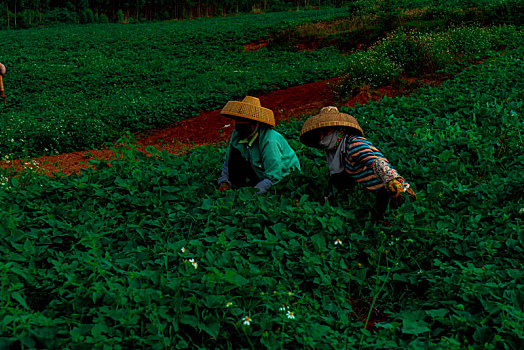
x=210, y=128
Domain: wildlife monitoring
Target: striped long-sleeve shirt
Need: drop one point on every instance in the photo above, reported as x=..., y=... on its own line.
x=359, y=157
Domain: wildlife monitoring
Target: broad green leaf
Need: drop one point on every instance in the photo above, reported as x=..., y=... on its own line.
x=414, y=327
x=437, y=313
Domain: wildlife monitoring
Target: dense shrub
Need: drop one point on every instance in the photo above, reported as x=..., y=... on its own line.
x=120, y=16
x=86, y=16
x=27, y=18
x=60, y=15
x=370, y=68
x=415, y=53
x=409, y=51
x=103, y=18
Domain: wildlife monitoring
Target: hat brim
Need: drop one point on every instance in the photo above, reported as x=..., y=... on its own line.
x=243, y=117
x=248, y=111
x=329, y=117
x=311, y=138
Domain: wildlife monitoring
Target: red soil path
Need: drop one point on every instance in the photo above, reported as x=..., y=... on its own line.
x=211, y=128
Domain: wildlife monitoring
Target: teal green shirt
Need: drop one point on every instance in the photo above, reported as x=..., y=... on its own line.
x=270, y=154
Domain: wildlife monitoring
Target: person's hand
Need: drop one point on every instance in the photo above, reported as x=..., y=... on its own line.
x=263, y=186
x=396, y=188
x=224, y=186
x=2, y=69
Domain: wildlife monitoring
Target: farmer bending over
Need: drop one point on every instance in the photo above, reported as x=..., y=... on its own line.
x=257, y=155
x=353, y=159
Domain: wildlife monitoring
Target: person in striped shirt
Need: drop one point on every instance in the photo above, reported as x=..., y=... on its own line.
x=353, y=159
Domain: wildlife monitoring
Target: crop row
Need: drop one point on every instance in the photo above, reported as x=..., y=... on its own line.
x=76, y=87
x=147, y=254
x=71, y=88
x=415, y=53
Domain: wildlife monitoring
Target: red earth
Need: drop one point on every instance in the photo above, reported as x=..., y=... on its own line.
x=210, y=128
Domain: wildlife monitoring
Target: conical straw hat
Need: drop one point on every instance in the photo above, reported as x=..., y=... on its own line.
x=327, y=117
x=249, y=108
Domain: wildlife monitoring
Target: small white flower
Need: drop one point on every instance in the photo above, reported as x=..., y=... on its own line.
x=194, y=263
x=338, y=241
x=284, y=307
x=246, y=321
x=290, y=315
x=183, y=250
x=228, y=304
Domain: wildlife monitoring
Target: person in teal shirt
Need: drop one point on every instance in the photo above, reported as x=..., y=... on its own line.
x=257, y=155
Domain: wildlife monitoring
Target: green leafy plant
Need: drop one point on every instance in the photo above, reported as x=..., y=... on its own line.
x=91, y=86
x=144, y=252
x=371, y=69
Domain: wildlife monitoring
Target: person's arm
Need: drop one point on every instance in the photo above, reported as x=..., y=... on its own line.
x=271, y=155
x=272, y=162
x=393, y=182
x=223, y=181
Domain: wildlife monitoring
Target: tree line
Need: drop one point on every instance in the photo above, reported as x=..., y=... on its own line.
x=29, y=13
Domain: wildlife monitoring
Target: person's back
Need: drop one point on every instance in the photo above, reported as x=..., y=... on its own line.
x=354, y=159
x=270, y=155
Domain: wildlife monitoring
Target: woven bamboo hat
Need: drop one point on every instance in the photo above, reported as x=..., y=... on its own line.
x=327, y=117
x=249, y=108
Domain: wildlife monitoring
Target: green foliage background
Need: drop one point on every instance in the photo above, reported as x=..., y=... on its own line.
x=96, y=259
x=106, y=258
x=72, y=88
x=76, y=87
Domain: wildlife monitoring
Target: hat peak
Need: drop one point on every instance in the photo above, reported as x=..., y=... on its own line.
x=329, y=109
x=252, y=101
x=249, y=108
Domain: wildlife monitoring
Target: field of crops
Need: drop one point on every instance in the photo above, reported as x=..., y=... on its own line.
x=146, y=253
x=104, y=79
x=106, y=257
x=70, y=88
